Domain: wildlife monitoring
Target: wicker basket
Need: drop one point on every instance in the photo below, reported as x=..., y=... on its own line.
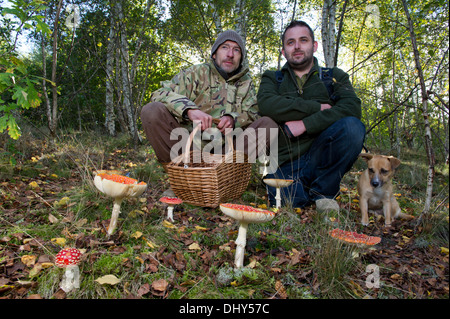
x=207, y=184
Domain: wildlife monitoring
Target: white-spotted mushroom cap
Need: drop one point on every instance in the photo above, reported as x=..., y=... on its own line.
x=68, y=257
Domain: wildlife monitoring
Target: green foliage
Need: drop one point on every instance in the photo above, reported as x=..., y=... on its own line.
x=17, y=85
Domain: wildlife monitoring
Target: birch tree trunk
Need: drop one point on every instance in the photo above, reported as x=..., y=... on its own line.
x=424, y=93
x=239, y=24
x=52, y=111
x=328, y=32
x=126, y=83
x=109, y=96
x=216, y=18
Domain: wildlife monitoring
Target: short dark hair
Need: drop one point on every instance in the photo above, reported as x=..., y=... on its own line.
x=297, y=23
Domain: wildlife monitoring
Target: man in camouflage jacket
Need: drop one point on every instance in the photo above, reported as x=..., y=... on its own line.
x=221, y=89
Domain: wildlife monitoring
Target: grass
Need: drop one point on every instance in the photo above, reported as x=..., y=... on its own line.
x=289, y=257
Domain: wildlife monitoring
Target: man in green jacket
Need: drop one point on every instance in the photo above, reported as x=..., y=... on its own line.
x=320, y=135
x=220, y=89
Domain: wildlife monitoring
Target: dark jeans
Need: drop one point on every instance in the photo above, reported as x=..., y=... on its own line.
x=318, y=173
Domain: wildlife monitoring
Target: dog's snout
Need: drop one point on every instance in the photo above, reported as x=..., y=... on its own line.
x=375, y=181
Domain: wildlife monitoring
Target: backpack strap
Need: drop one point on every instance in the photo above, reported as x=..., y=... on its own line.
x=279, y=77
x=326, y=75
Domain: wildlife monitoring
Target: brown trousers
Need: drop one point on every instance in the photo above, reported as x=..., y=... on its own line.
x=158, y=123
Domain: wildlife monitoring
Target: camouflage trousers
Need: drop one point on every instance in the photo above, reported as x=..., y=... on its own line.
x=158, y=124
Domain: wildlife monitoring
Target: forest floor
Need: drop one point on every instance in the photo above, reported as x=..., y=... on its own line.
x=48, y=201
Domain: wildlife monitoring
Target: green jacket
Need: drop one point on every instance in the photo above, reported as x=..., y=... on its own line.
x=286, y=102
x=202, y=87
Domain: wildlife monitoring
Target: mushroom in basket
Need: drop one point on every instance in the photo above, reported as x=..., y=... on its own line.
x=118, y=187
x=245, y=215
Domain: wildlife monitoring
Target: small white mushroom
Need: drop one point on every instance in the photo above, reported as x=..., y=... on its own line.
x=245, y=215
x=278, y=184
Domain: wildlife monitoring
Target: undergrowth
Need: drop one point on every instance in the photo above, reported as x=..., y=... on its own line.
x=290, y=257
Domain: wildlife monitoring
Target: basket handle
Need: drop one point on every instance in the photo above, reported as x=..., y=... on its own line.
x=191, y=138
x=227, y=136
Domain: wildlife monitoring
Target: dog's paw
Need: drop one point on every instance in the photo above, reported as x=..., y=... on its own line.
x=365, y=222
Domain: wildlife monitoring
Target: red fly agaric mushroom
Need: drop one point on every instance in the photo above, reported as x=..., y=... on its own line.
x=278, y=184
x=69, y=258
x=245, y=215
x=354, y=237
x=171, y=201
x=118, y=187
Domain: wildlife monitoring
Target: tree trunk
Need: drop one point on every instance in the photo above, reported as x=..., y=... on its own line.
x=424, y=93
x=126, y=83
x=109, y=96
x=328, y=32
x=53, y=112
x=239, y=24
x=216, y=18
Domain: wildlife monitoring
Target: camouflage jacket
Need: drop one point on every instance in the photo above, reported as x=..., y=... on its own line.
x=202, y=87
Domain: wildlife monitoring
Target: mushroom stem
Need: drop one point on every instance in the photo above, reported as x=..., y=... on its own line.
x=278, y=197
x=114, y=215
x=170, y=213
x=71, y=278
x=240, y=245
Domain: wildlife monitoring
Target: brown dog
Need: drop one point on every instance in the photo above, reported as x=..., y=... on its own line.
x=375, y=189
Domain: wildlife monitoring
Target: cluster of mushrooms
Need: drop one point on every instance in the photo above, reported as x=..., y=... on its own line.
x=121, y=187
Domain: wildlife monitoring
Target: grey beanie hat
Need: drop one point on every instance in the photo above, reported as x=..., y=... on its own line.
x=229, y=35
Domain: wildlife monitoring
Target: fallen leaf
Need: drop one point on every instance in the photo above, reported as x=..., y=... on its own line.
x=151, y=244
x=160, y=285
x=444, y=250
x=137, y=234
x=63, y=202
x=59, y=241
x=33, y=185
x=47, y=265
x=194, y=246
x=36, y=270
x=108, y=279
x=28, y=260
x=81, y=222
x=52, y=219
x=200, y=228
x=144, y=289
x=396, y=277
x=280, y=289
x=168, y=224
x=252, y=264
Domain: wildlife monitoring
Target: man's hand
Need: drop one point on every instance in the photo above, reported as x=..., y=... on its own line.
x=297, y=128
x=325, y=107
x=226, y=121
x=197, y=115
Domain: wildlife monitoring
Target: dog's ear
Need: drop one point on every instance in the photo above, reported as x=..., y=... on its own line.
x=395, y=162
x=366, y=156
